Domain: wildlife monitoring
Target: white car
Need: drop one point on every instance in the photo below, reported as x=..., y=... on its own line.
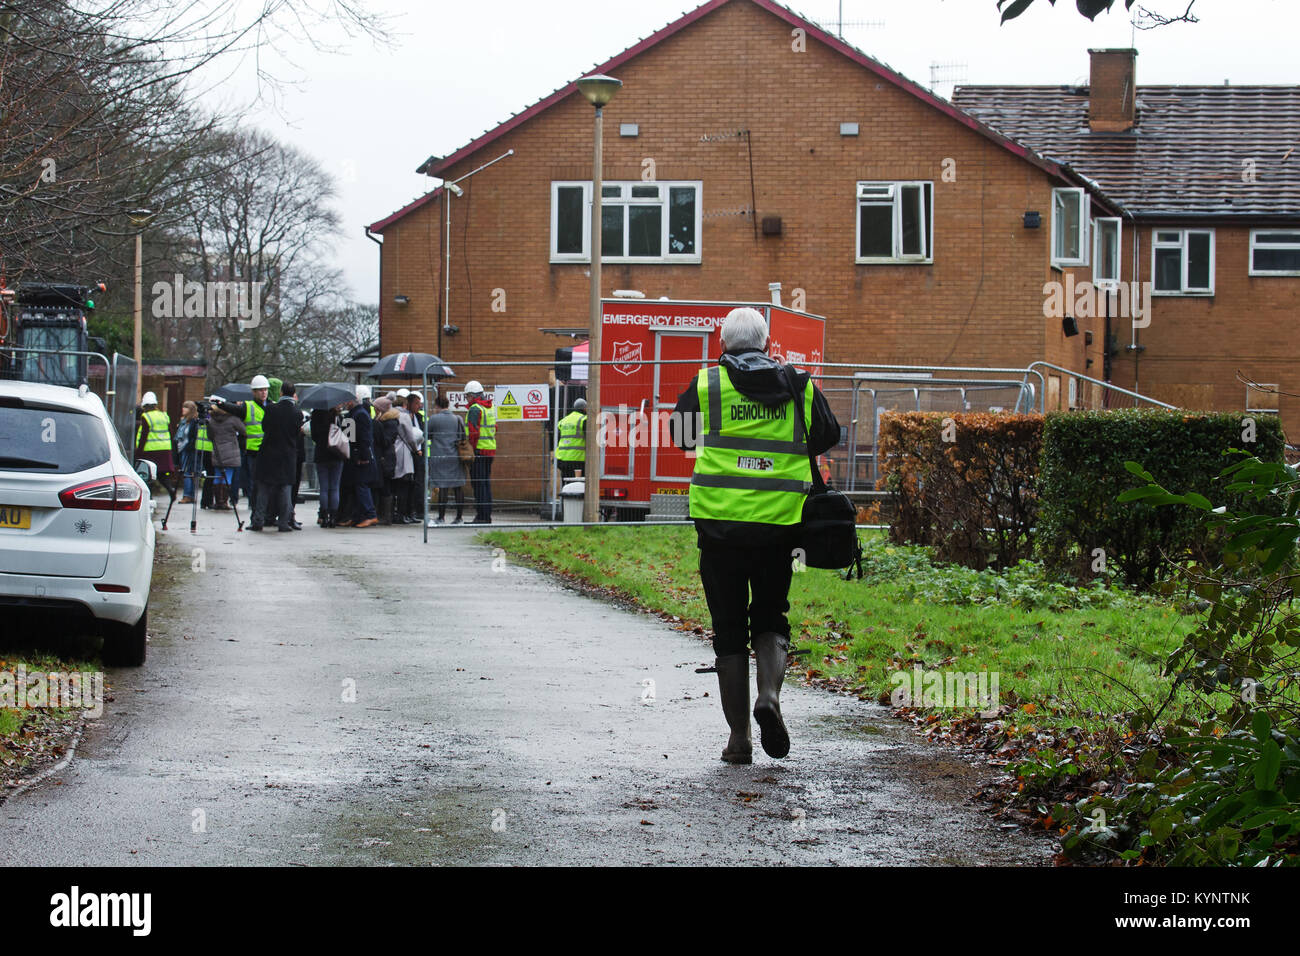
x=75, y=532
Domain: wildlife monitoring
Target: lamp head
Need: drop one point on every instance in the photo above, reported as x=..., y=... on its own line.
x=455, y=190
x=140, y=217
x=598, y=88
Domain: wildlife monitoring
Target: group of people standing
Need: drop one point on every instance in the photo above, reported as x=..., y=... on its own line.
x=375, y=474
x=369, y=459
x=370, y=455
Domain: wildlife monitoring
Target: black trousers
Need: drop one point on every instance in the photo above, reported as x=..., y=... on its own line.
x=481, y=478
x=748, y=592
x=567, y=468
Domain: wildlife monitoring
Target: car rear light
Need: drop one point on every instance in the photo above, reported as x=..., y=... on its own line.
x=118, y=493
x=113, y=588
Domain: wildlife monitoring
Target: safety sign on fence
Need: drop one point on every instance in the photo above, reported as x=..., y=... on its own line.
x=513, y=403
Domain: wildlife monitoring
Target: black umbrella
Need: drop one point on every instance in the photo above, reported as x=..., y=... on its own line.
x=410, y=365
x=326, y=395
x=235, y=392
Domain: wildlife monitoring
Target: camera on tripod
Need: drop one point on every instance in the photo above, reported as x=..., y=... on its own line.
x=204, y=409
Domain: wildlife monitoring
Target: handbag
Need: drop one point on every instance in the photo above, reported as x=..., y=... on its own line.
x=464, y=450
x=828, y=530
x=339, y=441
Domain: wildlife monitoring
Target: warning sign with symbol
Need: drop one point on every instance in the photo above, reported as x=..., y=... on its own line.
x=522, y=403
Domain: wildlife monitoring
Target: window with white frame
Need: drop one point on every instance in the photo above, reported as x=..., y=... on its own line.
x=895, y=222
x=1107, y=238
x=1182, y=261
x=1262, y=397
x=1069, y=227
x=640, y=221
x=1274, y=252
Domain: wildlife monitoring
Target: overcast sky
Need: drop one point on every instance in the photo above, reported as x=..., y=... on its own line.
x=371, y=114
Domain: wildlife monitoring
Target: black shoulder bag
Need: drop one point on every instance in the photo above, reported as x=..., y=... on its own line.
x=828, y=533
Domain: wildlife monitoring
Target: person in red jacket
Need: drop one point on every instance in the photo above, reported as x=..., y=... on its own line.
x=481, y=423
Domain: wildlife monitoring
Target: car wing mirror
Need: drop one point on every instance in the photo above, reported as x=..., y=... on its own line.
x=146, y=470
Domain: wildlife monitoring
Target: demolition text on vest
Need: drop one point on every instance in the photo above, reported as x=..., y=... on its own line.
x=751, y=411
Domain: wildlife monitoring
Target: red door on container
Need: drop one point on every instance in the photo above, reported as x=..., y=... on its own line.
x=667, y=461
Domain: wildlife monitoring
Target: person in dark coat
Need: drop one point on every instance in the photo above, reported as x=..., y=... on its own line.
x=360, y=471
x=278, y=463
x=329, y=464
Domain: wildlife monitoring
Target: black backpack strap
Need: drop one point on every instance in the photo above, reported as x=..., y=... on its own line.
x=792, y=377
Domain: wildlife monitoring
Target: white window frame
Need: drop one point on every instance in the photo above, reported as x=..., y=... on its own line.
x=1254, y=233
x=1098, y=228
x=625, y=199
x=1082, y=259
x=1184, y=290
x=882, y=192
x=1263, y=390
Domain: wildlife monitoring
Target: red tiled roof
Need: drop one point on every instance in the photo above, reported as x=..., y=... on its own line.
x=436, y=167
x=1187, y=156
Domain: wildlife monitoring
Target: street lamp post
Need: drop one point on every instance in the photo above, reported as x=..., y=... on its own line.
x=139, y=218
x=599, y=90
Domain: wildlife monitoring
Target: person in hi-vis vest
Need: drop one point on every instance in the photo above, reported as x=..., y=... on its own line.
x=752, y=474
x=251, y=413
x=153, y=440
x=571, y=440
x=481, y=423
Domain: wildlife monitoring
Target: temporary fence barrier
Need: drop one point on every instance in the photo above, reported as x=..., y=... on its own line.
x=115, y=384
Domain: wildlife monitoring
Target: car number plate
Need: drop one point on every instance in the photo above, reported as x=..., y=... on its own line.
x=15, y=517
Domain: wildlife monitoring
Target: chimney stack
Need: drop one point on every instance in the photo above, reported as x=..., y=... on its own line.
x=1112, y=90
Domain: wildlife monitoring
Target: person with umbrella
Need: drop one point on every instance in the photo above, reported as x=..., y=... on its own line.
x=360, y=471
x=325, y=403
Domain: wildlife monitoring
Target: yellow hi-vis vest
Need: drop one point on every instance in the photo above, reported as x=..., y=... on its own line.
x=751, y=461
x=160, y=425
x=253, y=414
x=487, y=428
x=572, y=429
x=202, y=442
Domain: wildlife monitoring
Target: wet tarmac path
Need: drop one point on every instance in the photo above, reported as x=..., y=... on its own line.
x=309, y=703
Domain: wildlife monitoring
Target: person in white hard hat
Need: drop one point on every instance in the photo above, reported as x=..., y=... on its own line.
x=251, y=412
x=482, y=425
x=153, y=440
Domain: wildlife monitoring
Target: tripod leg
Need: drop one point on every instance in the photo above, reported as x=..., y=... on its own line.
x=197, y=482
x=171, y=492
x=234, y=507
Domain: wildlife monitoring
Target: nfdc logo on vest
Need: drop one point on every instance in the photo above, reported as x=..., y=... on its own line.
x=755, y=464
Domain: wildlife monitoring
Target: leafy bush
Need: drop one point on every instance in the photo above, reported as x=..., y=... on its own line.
x=964, y=483
x=1082, y=524
x=1228, y=791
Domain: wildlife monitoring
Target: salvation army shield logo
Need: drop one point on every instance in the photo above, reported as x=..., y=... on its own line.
x=628, y=357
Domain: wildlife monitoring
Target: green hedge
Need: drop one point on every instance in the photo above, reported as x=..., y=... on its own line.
x=1082, y=473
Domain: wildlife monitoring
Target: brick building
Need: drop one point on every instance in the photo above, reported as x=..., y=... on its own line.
x=1207, y=183
x=748, y=146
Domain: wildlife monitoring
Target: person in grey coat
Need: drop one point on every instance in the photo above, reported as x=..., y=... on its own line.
x=224, y=431
x=446, y=473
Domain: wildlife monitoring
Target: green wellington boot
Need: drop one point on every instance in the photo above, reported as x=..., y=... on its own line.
x=771, y=650
x=733, y=688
